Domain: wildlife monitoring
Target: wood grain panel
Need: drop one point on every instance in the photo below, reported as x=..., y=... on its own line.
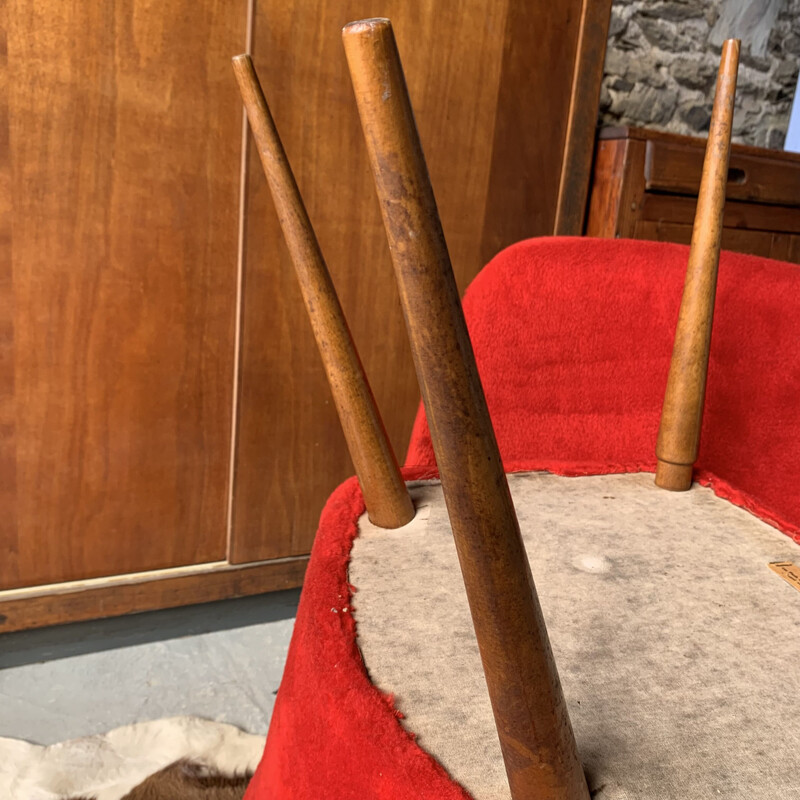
x=290, y=452
x=9, y=551
x=533, y=106
x=125, y=142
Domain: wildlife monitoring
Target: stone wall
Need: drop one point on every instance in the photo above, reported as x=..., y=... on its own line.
x=663, y=56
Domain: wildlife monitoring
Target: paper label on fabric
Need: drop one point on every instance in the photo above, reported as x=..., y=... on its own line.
x=788, y=571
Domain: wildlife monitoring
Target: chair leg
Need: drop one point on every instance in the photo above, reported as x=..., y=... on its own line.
x=532, y=721
x=385, y=494
x=682, y=413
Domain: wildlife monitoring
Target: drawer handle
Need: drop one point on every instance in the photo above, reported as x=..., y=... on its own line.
x=736, y=175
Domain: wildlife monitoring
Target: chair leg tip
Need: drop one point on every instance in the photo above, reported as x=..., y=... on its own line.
x=673, y=477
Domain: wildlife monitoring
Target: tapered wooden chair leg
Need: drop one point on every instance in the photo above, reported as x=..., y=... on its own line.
x=533, y=725
x=385, y=494
x=682, y=413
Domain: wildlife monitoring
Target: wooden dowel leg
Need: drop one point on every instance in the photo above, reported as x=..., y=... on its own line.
x=531, y=715
x=385, y=494
x=682, y=413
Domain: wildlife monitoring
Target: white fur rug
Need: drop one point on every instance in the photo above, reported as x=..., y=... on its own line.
x=110, y=765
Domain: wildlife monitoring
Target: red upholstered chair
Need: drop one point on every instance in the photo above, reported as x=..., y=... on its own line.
x=676, y=643
x=573, y=340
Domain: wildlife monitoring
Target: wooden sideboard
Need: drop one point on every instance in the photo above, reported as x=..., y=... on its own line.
x=645, y=184
x=166, y=432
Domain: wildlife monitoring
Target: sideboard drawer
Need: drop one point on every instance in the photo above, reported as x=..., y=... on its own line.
x=645, y=185
x=676, y=168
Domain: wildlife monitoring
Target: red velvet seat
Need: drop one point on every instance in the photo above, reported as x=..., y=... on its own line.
x=573, y=339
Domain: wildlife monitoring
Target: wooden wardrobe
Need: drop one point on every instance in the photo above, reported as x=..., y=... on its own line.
x=166, y=432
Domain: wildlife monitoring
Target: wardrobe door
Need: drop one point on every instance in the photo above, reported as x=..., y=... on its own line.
x=492, y=88
x=120, y=140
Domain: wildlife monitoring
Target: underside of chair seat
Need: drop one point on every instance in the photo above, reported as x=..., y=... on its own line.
x=648, y=613
x=573, y=338
x=678, y=648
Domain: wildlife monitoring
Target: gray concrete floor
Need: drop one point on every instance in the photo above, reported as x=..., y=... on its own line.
x=221, y=661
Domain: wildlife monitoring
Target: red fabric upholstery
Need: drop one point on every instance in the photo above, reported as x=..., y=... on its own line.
x=573, y=339
x=333, y=735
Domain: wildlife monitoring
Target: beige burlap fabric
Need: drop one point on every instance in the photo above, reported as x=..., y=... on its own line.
x=678, y=648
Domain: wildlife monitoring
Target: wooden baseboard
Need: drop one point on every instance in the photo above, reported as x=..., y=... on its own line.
x=37, y=607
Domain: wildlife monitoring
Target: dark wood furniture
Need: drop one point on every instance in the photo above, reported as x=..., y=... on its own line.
x=645, y=184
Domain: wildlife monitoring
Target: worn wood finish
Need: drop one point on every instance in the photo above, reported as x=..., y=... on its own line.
x=576, y=166
x=533, y=725
x=385, y=494
x=738, y=217
x=648, y=135
x=757, y=243
x=665, y=211
x=674, y=167
x=682, y=412
x=55, y=605
x=495, y=148
x=618, y=189
x=124, y=149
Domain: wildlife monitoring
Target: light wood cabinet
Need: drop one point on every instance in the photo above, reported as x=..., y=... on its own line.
x=122, y=154
x=167, y=434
